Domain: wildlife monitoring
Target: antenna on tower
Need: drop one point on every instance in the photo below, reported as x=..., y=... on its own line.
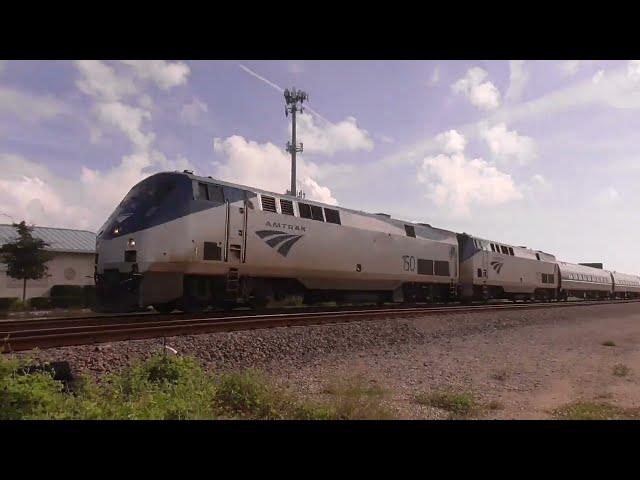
x=294, y=100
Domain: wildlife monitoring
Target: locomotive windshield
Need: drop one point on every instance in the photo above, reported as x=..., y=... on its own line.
x=155, y=200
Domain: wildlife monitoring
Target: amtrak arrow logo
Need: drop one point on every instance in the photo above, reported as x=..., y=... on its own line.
x=276, y=237
x=497, y=266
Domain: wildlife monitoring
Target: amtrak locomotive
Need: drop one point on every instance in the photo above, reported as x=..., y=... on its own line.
x=180, y=241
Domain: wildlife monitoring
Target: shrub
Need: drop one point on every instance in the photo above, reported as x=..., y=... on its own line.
x=29, y=395
x=89, y=295
x=67, y=302
x=609, y=343
x=6, y=302
x=66, y=291
x=40, y=303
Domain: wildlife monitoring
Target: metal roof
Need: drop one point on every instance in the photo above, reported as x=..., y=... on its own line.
x=59, y=239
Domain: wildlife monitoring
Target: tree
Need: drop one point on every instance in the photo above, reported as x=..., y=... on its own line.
x=25, y=257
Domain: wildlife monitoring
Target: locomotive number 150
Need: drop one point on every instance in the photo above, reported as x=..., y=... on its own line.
x=408, y=263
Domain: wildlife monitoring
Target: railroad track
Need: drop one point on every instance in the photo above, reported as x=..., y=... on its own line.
x=16, y=335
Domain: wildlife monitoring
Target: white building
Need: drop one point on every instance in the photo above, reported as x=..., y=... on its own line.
x=73, y=263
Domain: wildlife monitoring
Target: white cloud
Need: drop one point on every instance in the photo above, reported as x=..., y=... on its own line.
x=100, y=80
x=266, y=166
x=455, y=182
x=539, y=182
x=30, y=191
x=193, y=111
x=295, y=67
x=28, y=106
x=483, y=95
x=633, y=70
x=569, y=68
x=164, y=74
x=508, y=146
x=387, y=139
x=597, y=76
x=128, y=120
x=330, y=138
x=518, y=78
x=608, y=196
x=435, y=77
x=452, y=141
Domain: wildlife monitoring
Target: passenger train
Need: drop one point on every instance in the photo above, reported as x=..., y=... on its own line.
x=181, y=241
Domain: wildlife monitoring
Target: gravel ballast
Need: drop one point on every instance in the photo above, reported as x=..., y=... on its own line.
x=526, y=361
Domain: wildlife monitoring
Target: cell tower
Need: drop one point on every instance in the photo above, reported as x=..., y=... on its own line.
x=294, y=99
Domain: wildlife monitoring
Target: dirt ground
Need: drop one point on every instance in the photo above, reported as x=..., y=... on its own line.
x=527, y=364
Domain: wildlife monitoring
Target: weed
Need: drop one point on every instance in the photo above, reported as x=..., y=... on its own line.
x=356, y=399
x=459, y=405
x=621, y=370
x=609, y=343
x=594, y=411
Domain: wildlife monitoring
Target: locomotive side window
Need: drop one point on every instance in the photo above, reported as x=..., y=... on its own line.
x=550, y=277
x=215, y=192
x=441, y=268
x=538, y=256
x=316, y=213
x=305, y=210
x=268, y=203
x=332, y=216
x=425, y=267
x=410, y=230
x=286, y=206
x=479, y=273
x=203, y=191
x=504, y=250
x=493, y=249
x=211, y=251
x=511, y=251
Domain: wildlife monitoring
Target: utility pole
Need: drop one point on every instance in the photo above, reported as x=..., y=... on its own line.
x=294, y=99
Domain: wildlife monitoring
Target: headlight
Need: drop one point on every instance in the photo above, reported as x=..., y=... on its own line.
x=131, y=243
x=116, y=230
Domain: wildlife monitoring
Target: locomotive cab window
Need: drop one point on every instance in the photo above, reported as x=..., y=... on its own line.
x=332, y=216
x=504, y=250
x=479, y=273
x=316, y=213
x=493, y=247
x=305, y=210
x=511, y=251
x=410, y=231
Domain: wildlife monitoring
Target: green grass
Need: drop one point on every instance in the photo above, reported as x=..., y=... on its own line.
x=355, y=398
x=621, y=370
x=609, y=343
x=172, y=387
x=595, y=411
x=459, y=405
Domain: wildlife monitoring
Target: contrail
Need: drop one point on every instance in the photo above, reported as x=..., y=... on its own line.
x=280, y=89
x=254, y=74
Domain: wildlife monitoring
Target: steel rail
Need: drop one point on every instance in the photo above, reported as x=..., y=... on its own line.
x=67, y=335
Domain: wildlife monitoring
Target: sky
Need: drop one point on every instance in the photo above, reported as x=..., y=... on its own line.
x=536, y=153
